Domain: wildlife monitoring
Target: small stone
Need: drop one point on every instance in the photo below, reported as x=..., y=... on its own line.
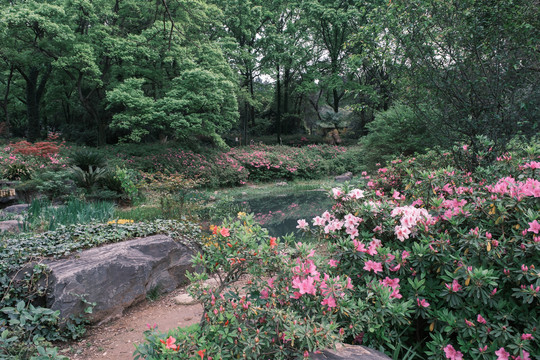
x=350, y=352
x=344, y=177
x=185, y=299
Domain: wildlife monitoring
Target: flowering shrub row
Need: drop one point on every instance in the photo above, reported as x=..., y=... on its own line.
x=254, y=163
x=421, y=262
x=19, y=160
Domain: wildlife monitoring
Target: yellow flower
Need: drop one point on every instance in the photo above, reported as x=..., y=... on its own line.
x=121, y=221
x=241, y=214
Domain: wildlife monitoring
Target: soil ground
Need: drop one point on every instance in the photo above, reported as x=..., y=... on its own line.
x=116, y=340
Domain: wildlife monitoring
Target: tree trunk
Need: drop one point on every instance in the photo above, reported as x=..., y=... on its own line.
x=251, y=107
x=335, y=104
x=33, y=125
x=278, y=101
x=6, y=128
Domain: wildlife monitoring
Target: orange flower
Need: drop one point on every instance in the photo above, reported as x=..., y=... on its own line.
x=273, y=242
x=201, y=353
x=225, y=232
x=169, y=344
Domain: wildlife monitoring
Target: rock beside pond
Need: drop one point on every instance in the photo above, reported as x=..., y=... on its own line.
x=349, y=352
x=344, y=177
x=117, y=276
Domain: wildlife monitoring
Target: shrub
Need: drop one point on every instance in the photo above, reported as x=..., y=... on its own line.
x=87, y=158
x=397, y=131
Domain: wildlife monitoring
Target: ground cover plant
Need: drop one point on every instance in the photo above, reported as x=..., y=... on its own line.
x=26, y=328
x=419, y=260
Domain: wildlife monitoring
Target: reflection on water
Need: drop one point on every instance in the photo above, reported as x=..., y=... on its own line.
x=279, y=213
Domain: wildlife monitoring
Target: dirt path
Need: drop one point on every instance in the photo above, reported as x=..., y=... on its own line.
x=116, y=339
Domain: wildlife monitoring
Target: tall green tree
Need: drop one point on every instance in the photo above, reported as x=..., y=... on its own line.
x=476, y=62
x=241, y=36
x=34, y=35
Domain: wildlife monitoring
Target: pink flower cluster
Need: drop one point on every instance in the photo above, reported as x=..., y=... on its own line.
x=307, y=280
x=410, y=218
x=516, y=189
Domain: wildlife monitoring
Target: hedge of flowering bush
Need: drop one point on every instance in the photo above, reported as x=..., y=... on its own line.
x=19, y=160
x=419, y=262
x=253, y=163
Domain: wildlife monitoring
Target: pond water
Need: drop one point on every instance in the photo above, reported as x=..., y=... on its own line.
x=280, y=213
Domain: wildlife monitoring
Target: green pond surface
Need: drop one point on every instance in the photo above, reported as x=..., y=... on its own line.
x=280, y=213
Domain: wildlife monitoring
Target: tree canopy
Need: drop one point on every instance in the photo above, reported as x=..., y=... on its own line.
x=102, y=71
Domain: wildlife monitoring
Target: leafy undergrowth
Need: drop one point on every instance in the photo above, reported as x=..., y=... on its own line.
x=26, y=329
x=420, y=260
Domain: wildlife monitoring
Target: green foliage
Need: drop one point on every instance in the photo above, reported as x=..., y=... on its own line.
x=127, y=179
x=85, y=159
x=398, y=131
x=43, y=216
x=16, y=171
x=458, y=65
x=88, y=179
x=54, y=184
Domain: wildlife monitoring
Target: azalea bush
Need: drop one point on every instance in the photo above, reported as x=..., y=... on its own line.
x=288, y=305
x=20, y=160
x=256, y=163
x=418, y=262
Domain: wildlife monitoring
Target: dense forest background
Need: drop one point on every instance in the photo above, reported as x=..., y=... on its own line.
x=408, y=74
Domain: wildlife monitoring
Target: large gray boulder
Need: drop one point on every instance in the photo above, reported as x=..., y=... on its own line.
x=16, y=209
x=117, y=276
x=349, y=352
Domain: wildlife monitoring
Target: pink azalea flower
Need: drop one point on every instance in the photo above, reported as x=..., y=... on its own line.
x=302, y=224
x=393, y=283
x=455, y=287
x=526, y=337
x=356, y=194
x=337, y=192
x=373, y=265
x=330, y=301
x=502, y=354
x=359, y=246
x=395, y=294
x=333, y=263
x=225, y=232
x=422, y=303
x=452, y=353
x=480, y=319
x=395, y=268
x=525, y=356
x=305, y=286
x=534, y=227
